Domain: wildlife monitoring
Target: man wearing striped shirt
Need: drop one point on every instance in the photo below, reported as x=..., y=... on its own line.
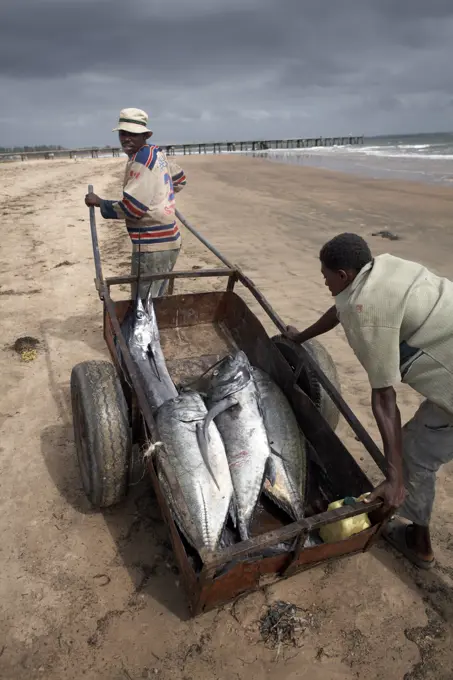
x=148, y=202
x=398, y=319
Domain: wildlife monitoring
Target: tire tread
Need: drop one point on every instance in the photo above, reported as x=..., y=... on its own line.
x=107, y=429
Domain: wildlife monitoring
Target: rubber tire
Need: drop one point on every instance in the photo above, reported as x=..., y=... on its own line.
x=102, y=432
x=308, y=381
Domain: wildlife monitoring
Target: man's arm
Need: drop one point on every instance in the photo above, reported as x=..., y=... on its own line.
x=326, y=323
x=110, y=210
x=136, y=192
x=376, y=346
x=178, y=176
x=388, y=419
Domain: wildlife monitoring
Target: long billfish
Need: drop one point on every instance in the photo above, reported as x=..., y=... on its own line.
x=143, y=340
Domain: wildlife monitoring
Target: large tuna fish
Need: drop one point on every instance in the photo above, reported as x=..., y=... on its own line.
x=233, y=401
x=199, y=491
x=288, y=446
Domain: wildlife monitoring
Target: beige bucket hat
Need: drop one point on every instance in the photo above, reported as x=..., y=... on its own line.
x=133, y=120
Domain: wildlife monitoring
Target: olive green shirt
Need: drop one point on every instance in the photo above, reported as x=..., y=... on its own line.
x=394, y=301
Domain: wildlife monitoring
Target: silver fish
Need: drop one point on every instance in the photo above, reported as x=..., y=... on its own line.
x=288, y=446
x=142, y=337
x=234, y=404
x=199, y=505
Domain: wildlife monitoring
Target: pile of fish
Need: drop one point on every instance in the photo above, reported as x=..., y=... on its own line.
x=223, y=449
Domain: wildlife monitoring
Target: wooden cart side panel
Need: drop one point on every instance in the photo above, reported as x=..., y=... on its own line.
x=187, y=573
x=121, y=308
x=109, y=334
x=326, y=551
x=242, y=578
x=171, y=312
x=248, y=576
x=345, y=475
x=190, y=309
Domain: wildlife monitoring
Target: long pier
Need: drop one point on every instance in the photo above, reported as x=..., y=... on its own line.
x=192, y=148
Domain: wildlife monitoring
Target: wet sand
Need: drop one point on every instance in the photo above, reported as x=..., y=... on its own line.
x=97, y=596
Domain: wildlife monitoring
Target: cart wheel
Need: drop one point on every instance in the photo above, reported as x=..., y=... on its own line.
x=308, y=380
x=102, y=432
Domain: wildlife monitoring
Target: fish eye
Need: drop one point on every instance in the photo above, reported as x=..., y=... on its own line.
x=215, y=372
x=140, y=315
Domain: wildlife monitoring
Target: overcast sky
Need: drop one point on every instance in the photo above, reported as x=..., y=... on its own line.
x=223, y=69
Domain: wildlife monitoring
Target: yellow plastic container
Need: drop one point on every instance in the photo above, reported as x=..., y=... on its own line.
x=344, y=528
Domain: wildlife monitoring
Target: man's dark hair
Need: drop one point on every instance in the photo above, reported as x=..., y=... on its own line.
x=345, y=251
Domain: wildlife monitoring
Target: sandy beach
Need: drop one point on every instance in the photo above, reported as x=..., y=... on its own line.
x=97, y=595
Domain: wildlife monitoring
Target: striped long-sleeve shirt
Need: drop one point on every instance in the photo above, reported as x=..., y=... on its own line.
x=148, y=202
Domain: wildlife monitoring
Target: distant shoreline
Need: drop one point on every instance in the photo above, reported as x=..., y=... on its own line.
x=192, y=148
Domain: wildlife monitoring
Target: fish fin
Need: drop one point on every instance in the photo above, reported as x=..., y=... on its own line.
x=243, y=530
x=227, y=539
x=291, y=506
x=232, y=511
x=259, y=401
x=275, y=451
x=203, y=445
x=150, y=353
x=215, y=410
x=207, y=547
x=270, y=471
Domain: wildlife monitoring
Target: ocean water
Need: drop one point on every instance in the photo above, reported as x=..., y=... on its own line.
x=423, y=157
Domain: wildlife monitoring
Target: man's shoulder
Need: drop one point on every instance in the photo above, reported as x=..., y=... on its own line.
x=147, y=156
x=381, y=297
x=387, y=265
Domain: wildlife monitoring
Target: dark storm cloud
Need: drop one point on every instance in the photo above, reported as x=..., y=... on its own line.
x=64, y=38
x=227, y=68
